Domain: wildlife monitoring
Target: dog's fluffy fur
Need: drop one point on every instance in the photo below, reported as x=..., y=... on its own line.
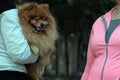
x=39, y=28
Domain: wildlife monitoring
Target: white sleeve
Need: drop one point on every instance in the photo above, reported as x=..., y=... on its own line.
x=16, y=44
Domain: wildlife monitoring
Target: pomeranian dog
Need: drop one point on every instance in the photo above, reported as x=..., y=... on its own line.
x=39, y=28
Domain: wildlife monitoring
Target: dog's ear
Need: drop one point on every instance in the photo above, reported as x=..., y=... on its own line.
x=27, y=8
x=31, y=6
x=45, y=6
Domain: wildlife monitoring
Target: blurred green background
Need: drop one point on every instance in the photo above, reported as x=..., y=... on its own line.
x=74, y=19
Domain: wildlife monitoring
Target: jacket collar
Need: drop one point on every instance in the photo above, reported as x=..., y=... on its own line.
x=108, y=15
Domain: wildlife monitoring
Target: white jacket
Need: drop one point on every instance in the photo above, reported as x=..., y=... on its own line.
x=14, y=49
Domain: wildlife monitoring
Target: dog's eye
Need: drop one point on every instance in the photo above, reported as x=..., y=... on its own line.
x=36, y=18
x=44, y=19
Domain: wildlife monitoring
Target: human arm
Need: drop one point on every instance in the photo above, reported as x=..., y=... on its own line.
x=16, y=44
x=90, y=59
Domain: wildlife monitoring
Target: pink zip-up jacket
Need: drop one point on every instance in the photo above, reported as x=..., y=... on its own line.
x=103, y=59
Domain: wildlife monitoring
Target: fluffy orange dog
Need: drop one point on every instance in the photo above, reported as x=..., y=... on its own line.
x=39, y=28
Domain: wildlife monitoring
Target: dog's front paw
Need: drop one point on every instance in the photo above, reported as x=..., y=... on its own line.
x=34, y=49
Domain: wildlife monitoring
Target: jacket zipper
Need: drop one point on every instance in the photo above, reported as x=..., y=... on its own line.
x=106, y=28
x=104, y=62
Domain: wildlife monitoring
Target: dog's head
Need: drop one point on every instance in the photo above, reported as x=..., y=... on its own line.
x=38, y=16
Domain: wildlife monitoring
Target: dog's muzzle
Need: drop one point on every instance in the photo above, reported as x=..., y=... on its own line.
x=40, y=28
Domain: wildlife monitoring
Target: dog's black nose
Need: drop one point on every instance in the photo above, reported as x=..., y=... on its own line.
x=42, y=25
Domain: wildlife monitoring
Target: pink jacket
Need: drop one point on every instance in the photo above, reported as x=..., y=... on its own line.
x=103, y=59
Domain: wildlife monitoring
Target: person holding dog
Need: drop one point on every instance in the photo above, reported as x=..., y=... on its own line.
x=14, y=49
x=103, y=56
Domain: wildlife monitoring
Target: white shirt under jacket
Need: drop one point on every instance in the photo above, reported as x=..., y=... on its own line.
x=14, y=49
